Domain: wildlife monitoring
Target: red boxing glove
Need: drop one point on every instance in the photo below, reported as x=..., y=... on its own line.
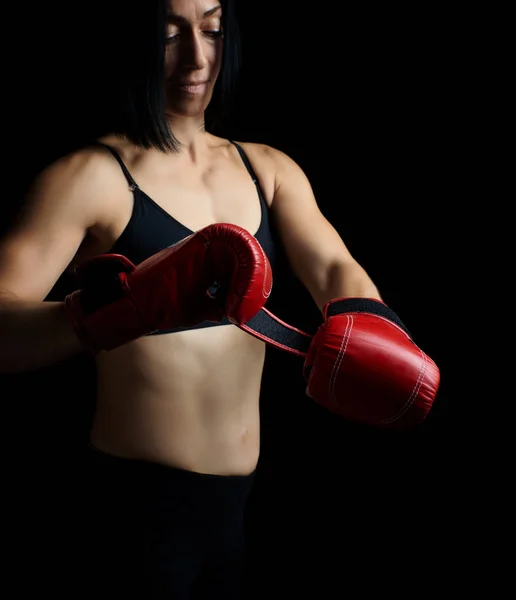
x=219, y=271
x=363, y=365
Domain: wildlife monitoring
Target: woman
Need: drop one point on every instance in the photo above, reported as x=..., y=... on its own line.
x=175, y=437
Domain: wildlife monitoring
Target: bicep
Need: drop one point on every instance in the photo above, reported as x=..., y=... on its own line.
x=312, y=244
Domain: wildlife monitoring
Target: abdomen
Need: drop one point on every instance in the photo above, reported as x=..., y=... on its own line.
x=187, y=399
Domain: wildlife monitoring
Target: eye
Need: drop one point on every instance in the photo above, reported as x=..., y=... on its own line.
x=172, y=37
x=212, y=33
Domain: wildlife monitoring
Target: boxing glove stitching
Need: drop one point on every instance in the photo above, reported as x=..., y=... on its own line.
x=337, y=365
x=238, y=252
x=340, y=357
x=265, y=293
x=415, y=391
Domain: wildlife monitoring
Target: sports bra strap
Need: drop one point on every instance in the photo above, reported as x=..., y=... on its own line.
x=132, y=183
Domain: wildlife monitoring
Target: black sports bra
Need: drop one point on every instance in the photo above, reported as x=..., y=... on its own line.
x=151, y=229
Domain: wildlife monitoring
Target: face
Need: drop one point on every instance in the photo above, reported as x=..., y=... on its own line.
x=193, y=55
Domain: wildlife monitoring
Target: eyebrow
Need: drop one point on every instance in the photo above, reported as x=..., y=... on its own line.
x=208, y=13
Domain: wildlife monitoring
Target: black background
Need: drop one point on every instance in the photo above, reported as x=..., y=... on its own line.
x=359, y=98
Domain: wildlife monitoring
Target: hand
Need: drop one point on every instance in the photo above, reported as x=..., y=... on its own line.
x=363, y=365
x=219, y=271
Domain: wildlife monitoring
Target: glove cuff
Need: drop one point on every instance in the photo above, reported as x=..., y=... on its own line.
x=362, y=305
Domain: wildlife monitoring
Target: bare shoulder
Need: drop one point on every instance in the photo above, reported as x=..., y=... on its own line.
x=278, y=167
x=266, y=155
x=79, y=181
x=64, y=201
x=271, y=166
x=263, y=157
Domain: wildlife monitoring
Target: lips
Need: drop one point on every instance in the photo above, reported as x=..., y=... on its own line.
x=189, y=83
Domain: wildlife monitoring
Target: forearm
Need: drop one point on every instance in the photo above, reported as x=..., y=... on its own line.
x=34, y=335
x=347, y=280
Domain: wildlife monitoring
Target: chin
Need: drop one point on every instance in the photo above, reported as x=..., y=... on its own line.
x=194, y=107
x=188, y=112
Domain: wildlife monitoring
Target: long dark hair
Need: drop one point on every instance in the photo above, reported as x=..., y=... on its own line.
x=134, y=105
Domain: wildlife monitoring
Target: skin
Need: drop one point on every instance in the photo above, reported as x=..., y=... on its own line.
x=188, y=399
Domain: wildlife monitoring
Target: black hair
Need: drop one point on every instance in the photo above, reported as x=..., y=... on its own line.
x=137, y=104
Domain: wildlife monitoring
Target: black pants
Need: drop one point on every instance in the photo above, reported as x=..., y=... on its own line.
x=155, y=532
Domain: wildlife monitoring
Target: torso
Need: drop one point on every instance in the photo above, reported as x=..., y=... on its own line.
x=188, y=399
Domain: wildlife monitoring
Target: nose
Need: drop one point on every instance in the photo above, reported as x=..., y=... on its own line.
x=194, y=56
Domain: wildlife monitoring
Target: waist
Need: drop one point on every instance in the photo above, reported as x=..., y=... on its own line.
x=188, y=399
x=220, y=451
x=138, y=473
x=218, y=434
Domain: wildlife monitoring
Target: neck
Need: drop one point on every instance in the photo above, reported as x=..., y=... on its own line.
x=189, y=131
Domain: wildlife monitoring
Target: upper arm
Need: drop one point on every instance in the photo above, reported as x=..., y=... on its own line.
x=55, y=218
x=312, y=244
